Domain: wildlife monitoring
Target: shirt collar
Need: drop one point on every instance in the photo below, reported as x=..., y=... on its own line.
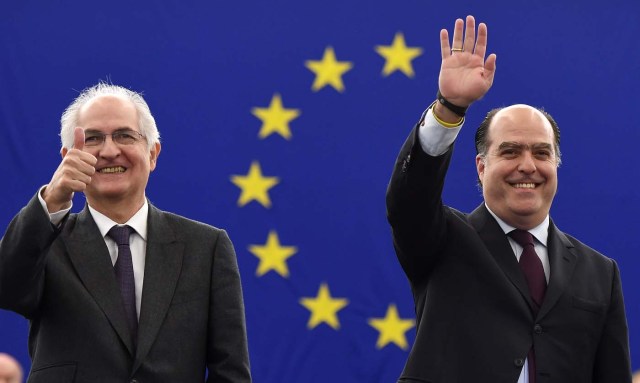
x=138, y=222
x=540, y=232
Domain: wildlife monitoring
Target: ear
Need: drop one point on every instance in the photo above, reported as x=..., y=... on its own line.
x=63, y=152
x=153, y=155
x=480, y=165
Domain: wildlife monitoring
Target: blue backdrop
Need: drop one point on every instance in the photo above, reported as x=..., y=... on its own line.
x=267, y=137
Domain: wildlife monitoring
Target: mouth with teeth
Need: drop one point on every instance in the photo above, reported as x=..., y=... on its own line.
x=524, y=185
x=112, y=170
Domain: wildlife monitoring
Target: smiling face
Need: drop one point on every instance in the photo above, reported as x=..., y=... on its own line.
x=122, y=171
x=519, y=171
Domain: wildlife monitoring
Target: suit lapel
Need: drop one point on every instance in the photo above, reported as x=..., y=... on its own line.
x=163, y=263
x=498, y=245
x=90, y=257
x=562, y=261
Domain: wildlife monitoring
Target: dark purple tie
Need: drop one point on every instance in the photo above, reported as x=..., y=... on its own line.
x=124, y=275
x=534, y=273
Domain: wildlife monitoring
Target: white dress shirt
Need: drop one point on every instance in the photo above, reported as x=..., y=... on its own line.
x=137, y=240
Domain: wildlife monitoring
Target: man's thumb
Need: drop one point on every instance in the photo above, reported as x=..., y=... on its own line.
x=78, y=138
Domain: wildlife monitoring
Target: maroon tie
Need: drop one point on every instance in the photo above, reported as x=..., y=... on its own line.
x=124, y=275
x=531, y=266
x=534, y=273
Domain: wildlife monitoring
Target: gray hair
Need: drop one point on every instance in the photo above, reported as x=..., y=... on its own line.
x=146, y=122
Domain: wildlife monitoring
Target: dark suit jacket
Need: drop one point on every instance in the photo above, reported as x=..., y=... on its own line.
x=191, y=318
x=474, y=314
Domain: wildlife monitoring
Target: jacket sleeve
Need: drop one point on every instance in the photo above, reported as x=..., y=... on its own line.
x=23, y=250
x=414, y=206
x=228, y=355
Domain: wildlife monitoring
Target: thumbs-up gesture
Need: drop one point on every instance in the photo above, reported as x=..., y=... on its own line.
x=73, y=174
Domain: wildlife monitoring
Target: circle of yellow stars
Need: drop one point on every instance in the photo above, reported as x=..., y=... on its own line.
x=255, y=186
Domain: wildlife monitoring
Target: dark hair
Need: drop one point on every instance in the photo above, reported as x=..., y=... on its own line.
x=483, y=130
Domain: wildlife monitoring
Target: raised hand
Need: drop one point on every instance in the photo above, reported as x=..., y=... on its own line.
x=73, y=174
x=465, y=76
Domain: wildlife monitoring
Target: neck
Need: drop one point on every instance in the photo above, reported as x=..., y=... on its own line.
x=120, y=211
x=523, y=222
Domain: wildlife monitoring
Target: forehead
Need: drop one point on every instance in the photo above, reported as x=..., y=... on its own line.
x=104, y=111
x=520, y=123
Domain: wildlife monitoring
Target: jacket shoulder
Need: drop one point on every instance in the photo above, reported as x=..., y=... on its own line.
x=182, y=224
x=587, y=255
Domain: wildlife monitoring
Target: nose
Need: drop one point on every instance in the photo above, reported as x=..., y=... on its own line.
x=527, y=163
x=109, y=148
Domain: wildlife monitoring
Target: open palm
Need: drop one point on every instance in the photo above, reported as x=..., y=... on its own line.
x=465, y=76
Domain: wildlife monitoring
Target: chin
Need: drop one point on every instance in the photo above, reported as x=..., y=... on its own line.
x=526, y=210
x=109, y=192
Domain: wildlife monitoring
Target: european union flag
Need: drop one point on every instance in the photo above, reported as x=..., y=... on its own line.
x=281, y=122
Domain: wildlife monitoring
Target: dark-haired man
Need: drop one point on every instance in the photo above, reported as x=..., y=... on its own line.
x=501, y=294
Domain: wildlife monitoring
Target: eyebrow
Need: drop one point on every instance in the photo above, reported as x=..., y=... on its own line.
x=96, y=131
x=521, y=146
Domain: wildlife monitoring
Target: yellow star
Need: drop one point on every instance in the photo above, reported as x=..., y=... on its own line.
x=275, y=118
x=273, y=256
x=392, y=328
x=398, y=56
x=254, y=186
x=328, y=71
x=324, y=308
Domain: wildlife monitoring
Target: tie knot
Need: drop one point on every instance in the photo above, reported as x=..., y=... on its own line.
x=120, y=234
x=523, y=237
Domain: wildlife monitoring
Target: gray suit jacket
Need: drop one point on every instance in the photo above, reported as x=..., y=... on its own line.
x=62, y=280
x=474, y=316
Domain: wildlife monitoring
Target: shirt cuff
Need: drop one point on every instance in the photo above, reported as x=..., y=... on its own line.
x=435, y=138
x=57, y=216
